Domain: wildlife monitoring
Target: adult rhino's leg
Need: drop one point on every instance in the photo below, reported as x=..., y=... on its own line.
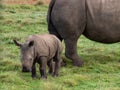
x=71, y=51
x=69, y=19
x=70, y=34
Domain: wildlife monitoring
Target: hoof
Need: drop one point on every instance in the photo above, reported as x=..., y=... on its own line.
x=78, y=63
x=51, y=73
x=55, y=75
x=33, y=77
x=43, y=77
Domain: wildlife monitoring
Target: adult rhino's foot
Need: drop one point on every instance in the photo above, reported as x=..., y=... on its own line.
x=76, y=60
x=78, y=63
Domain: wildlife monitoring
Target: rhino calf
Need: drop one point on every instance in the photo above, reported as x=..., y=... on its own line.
x=41, y=49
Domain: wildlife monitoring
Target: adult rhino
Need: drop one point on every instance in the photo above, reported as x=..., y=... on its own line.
x=98, y=20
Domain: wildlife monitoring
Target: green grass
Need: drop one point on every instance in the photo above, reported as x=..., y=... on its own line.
x=101, y=70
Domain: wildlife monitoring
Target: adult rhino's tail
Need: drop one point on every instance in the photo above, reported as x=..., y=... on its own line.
x=51, y=28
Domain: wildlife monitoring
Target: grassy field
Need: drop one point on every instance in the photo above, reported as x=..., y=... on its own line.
x=101, y=70
x=46, y=2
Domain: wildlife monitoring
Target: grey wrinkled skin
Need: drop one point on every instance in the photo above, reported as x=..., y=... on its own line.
x=44, y=49
x=98, y=20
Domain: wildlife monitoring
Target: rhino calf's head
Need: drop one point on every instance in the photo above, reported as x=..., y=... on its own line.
x=27, y=55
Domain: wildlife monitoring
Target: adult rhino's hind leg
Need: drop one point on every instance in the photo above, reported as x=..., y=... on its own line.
x=69, y=19
x=71, y=51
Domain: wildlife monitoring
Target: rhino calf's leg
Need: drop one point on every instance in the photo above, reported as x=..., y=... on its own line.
x=42, y=68
x=51, y=65
x=33, y=71
x=58, y=61
x=71, y=51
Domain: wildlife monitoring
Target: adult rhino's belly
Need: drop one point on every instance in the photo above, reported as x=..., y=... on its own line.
x=103, y=20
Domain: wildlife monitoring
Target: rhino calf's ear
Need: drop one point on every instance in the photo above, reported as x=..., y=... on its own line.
x=17, y=43
x=31, y=43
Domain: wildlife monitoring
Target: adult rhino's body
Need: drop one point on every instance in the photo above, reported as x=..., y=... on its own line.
x=98, y=20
